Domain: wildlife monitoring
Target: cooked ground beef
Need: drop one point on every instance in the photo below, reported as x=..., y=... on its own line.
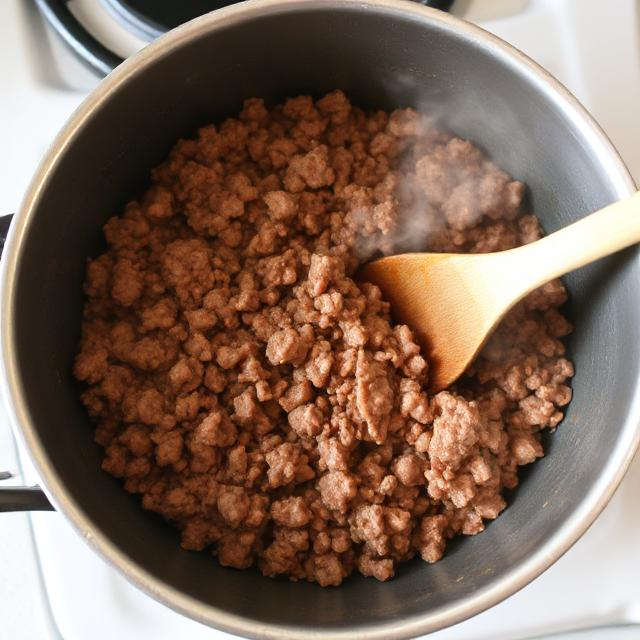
x=264, y=403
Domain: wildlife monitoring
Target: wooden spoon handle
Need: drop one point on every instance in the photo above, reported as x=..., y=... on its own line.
x=600, y=234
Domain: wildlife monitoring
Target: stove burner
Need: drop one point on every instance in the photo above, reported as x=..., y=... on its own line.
x=151, y=18
x=146, y=18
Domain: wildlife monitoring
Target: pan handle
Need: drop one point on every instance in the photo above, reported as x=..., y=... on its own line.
x=19, y=498
x=5, y=222
x=24, y=499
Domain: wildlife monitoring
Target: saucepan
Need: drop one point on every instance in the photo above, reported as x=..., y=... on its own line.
x=383, y=54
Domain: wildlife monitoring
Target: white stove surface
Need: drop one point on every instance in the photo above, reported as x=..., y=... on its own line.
x=53, y=586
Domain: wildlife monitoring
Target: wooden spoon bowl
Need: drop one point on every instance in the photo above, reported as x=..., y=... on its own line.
x=453, y=302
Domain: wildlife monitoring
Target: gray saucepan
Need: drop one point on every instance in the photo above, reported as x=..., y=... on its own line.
x=382, y=53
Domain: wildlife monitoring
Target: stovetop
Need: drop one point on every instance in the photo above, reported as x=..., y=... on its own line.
x=53, y=586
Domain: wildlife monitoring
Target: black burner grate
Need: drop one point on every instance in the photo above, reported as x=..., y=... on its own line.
x=149, y=18
x=169, y=14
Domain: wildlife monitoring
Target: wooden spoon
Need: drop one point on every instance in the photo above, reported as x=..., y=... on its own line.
x=453, y=302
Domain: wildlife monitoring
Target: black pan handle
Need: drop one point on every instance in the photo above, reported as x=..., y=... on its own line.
x=95, y=55
x=24, y=499
x=92, y=53
x=19, y=498
x=5, y=221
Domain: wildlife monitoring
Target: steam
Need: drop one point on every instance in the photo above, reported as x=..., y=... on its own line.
x=444, y=186
x=491, y=117
x=409, y=216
